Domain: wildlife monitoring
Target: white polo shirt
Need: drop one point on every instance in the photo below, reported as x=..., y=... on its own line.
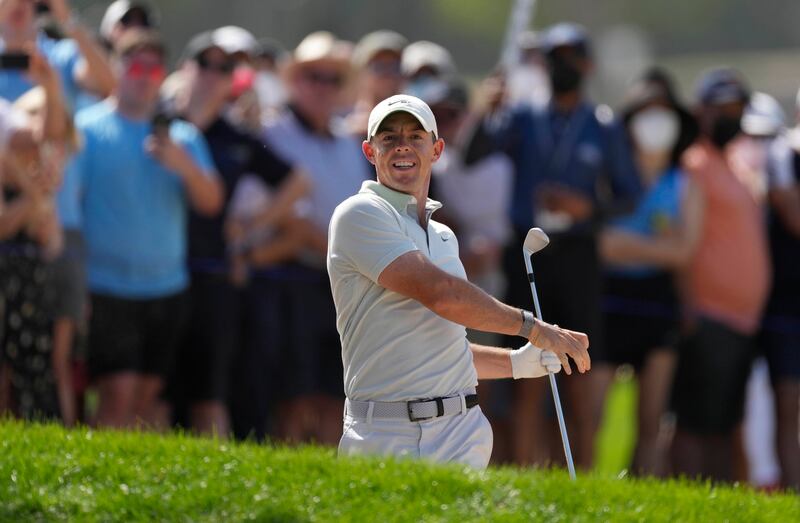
x=393, y=348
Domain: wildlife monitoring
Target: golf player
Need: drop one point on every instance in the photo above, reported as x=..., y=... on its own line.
x=403, y=302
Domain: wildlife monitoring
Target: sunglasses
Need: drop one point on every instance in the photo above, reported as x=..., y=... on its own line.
x=205, y=64
x=139, y=69
x=326, y=79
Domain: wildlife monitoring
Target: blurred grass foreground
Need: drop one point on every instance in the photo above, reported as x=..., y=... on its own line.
x=48, y=473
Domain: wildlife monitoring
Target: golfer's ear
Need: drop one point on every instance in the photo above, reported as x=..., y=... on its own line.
x=438, y=149
x=368, y=151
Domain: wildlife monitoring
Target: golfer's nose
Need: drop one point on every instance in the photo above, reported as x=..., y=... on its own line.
x=402, y=144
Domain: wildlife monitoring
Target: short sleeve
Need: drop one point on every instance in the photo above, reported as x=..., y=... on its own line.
x=267, y=165
x=365, y=234
x=780, y=165
x=65, y=57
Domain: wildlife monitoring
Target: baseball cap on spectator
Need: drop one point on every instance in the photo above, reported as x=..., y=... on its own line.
x=376, y=42
x=401, y=103
x=763, y=116
x=233, y=39
x=318, y=48
x=565, y=34
x=721, y=86
x=119, y=10
x=425, y=55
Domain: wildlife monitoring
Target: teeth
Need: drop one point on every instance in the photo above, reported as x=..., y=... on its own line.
x=404, y=164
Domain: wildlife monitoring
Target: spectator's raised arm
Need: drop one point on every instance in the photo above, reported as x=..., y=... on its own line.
x=93, y=72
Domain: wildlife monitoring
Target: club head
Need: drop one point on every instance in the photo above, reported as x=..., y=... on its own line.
x=535, y=240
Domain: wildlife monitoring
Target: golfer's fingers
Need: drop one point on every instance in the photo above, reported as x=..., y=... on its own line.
x=580, y=345
x=564, y=362
x=576, y=351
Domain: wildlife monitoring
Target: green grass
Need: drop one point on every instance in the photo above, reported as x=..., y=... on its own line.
x=48, y=473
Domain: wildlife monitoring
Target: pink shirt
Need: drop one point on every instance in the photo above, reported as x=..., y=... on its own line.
x=728, y=278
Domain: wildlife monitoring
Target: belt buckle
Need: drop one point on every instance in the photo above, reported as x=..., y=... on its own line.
x=439, y=409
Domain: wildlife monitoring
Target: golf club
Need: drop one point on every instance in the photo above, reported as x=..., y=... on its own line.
x=535, y=241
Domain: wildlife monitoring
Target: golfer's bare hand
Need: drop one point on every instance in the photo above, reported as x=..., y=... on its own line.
x=564, y=343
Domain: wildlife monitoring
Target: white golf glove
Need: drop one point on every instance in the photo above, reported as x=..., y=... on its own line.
x=532, y=362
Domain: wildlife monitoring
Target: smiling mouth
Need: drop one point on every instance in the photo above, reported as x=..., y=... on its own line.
x=404, y=165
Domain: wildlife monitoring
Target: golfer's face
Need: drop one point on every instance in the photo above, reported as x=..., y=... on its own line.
x=403, y=153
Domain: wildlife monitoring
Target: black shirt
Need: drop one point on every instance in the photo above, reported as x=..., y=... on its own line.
x=235, y=154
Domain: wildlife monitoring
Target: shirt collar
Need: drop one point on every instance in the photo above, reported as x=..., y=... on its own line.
x=400, y=201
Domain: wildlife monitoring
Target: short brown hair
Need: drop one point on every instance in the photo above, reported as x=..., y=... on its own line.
x=141, y=40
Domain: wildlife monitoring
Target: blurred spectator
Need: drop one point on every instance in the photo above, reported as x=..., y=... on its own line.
x=80, y=62
x=30, y=237
x=527, y=82
x=724, y=308
x=121, y=16
x=215, y=331
x=572, y=168
x=781, y=332
x=268, y=58
x=313, y=389
x=376, y=60
x=641, y=304
x=67, y=272
x=135, y=177
x=763, y=120
x=426, y=59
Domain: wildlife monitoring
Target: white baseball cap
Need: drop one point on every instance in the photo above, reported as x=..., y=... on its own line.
x=402, y=103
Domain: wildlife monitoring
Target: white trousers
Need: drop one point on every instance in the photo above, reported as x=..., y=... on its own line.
x=462, y=438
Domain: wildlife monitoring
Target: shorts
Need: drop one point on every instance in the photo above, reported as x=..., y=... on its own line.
x=138, y=336
x=568, y=282
x=462, y=438
x=641, y=314
x=713, y=367
x=780, y=335
x=69, y=279
x=213, y=336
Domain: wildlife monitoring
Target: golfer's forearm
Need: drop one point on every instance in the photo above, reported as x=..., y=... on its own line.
x=466, y=304
x=491, y=363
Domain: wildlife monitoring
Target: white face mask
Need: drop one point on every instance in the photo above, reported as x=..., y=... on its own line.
x=655, y=129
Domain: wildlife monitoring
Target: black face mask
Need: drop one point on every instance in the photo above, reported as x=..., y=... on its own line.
x=724, y=129
x=564, y=77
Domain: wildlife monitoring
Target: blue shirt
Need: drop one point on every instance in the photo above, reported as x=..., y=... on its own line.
x=580, y=151
x=62, y=55
x=134, y=210
x=657, y=213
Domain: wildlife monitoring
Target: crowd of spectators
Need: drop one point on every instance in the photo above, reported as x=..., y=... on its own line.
x=163, y=233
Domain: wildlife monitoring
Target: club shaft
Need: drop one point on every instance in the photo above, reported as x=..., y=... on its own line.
x=553, y=386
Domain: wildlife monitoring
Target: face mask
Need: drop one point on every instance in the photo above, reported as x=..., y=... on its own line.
x=724, y=129
x=564, y=77
x=655, y=129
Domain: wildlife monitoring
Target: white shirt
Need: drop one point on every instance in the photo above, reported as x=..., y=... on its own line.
x=393, y=347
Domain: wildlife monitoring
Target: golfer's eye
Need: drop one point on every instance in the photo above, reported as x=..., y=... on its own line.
x=387, y=138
